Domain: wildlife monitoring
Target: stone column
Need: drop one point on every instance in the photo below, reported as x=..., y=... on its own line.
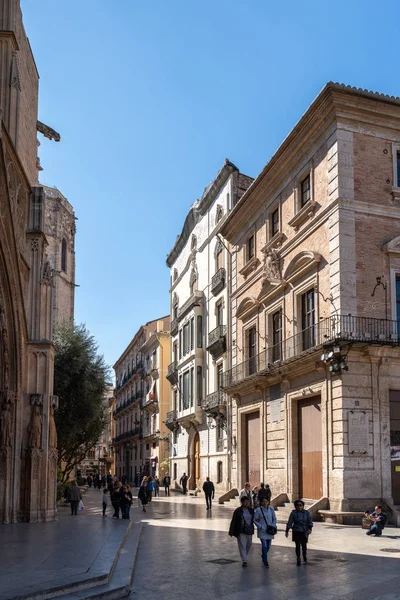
x=34, y=459
x=6, y=453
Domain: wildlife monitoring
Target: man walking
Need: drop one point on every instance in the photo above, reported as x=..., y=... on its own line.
x=183, y=482
x=166, y=483
x=74, y=496
x=209, y=491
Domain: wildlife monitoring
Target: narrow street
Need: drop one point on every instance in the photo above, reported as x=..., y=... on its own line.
x=186, y=552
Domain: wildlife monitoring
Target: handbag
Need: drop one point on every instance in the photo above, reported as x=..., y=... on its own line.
x=80, y=505
x=271, y=530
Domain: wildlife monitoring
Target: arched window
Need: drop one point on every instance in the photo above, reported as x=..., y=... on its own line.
x=219, y=256
x=64, y=255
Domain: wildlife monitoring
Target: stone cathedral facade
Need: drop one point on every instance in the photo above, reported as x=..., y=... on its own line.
x=28, y=267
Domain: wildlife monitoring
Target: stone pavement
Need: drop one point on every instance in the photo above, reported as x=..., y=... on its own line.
x=186, y=552
x=37, y=556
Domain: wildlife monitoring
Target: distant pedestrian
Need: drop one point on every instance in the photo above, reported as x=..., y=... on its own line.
x=150, y=488
x=115, y=498
x=242, y=528
x=378, y=519
x=209, y=491
x=247, y=493
x=99, y=483
x=74, y=497
x=183, y=482
x=105, y=501
x=103, y=481
x=264, y=492
x=125, y=502
x=300, y=522
x=89, y=481
x=255, y=496
x=156, y=486
x=143, y=495
x=123, y=479
x=265, y=521
x=167, y=484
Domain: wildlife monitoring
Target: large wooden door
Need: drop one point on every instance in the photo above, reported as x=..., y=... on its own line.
x=253, y=448
x=394, y=397
x=310, y=448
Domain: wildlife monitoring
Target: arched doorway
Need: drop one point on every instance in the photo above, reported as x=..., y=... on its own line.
x=195, y=475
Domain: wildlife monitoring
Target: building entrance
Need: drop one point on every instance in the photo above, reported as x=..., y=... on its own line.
x=394, y=398
x=253, y=448
x=194, y=480
x=310, y=448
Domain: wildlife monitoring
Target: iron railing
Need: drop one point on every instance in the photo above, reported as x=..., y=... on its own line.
x=335, y=329
x=218, y=281
x=216, y=334
x=171, y=416
x=214, y=400
x=174, y=327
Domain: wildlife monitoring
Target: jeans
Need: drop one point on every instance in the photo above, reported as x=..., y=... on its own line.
x=303, y=545
x=125, y=510
x=167, y=490
x=116, y=509
x=265, y=546
x=74, y=507
x=209, y=501
x=244, y=543
x=376, y=529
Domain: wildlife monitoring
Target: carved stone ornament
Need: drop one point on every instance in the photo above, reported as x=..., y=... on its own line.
x=36, y=399
x=6, y=425
x=52, y=430
x=8, y=396
x=35, y=244
x=272, y=266
x=54, y=401
x=47, y=274
x=35, y=428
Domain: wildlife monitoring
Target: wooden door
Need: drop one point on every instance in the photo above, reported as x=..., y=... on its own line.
x=196, y=460
x=253, y=448
x=310, y=448
x=394, y=397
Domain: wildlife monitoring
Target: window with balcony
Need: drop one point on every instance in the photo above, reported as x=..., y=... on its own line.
x=180, y=343
x=219, y=313
x=192, y=333
x=199, y=385
x=175, y=351
x=305, y=190
x=186, y=339
x=199, y=331
x=185, y=390
x=220, y=375
x=252, y=349
x=276, y=320
x=250, y=248
x=220, y=438
x=308, y=319
x=191, y=388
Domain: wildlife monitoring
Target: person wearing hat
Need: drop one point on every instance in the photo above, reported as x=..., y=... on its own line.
x=300, y=522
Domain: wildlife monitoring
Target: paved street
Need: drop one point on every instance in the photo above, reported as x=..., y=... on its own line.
x=180, y=541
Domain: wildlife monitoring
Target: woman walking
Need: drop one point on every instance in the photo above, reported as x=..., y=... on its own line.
x=300, y=522
x=265, y=521
x=143, y=494
x=242, y=528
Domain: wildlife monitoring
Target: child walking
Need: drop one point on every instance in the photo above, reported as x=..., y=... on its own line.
x=105, y=501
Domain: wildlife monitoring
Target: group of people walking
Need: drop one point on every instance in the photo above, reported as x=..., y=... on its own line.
x=258, y=512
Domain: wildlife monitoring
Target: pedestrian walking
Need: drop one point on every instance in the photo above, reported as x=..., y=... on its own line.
x=99, y=483
x=255, y=496
x=143, y=495
x=74, y=497
x=265, y=521
x=209, y=491
x=156, y=486
x=242, y=528
x=115, y=498
x=167, y=483
x=125, y=502
x=123, y=479
x=247, y=492
x=183, y=482
x=150, y=488
x=89, y=481
x=264, y=492
x=105, y=501
x=300, y=522
x=378, y=519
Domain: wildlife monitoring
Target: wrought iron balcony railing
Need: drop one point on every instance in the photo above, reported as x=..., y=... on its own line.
x=217, y=341
x=171, y=416
x=214, y=401
x=218, y=281
x=338, y=329
x=172, y=374
x=174, y=326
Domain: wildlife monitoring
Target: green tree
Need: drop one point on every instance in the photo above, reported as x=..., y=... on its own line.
x=80, y=377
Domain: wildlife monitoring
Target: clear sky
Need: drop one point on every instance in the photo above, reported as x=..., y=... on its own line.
x=151, y=97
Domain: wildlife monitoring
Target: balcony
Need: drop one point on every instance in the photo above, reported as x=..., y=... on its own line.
x=340, y=330
x=151, y=435
x=172, y=375
x=215, y=403
x=218, y=281
x=174, y=327
x=171, y=420
x=126, y=435
x=150, y=402
x=196, y=299
x=217, y=341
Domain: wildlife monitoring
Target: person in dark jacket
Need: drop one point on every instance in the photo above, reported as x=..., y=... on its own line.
x=264, y=492
x=242, y=528
x=300, y=522
x=125, y=502
x=115, y=496
x=166, y=483
x=209, y=491
x=143, y=494
x=183, y=481
x=74, y=497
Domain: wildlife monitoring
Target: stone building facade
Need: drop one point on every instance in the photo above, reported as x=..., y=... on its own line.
x=315, y=308
x=28, y=437
x=142, y=393
x=200, y=286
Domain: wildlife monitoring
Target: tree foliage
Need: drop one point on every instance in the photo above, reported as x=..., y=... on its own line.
x=80, y=376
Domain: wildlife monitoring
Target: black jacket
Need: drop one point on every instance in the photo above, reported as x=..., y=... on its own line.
x=166, y=481
x=264, y=493
x=208, y=488
x=143, y=494
x=236, y=526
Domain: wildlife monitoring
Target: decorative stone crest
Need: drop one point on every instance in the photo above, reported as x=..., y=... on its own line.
x=36, y=399
x=272, y=266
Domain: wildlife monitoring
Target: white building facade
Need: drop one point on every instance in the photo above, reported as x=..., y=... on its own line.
x=199, y=419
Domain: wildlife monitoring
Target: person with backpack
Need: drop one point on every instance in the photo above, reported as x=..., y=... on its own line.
x=378, y=519
x=242, y=528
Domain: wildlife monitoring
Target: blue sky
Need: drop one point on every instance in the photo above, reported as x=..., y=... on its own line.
x=150, y=97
